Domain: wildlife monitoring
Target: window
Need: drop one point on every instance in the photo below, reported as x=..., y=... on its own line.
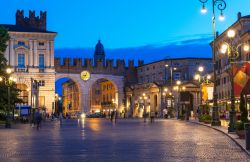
x=41, y=60
x=41, y=43
x=20, y=43
x=177, y=76
x=21, y=60
x=41, y=83
x=41, y=101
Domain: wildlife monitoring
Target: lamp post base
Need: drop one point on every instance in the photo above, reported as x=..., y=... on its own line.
x=215, y=117
x=232, y=117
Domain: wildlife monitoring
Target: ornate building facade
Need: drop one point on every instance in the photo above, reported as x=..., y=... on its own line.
x=240, y=65
x=30, y=54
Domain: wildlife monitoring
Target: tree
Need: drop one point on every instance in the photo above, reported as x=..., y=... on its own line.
x=4, y=37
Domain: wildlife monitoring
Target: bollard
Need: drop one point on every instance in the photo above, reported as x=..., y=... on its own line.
x=247, y=135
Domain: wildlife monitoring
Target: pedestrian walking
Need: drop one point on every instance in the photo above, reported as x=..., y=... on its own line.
x=60, y=118
x=112, y=116
x=38, y=119
x=152, y=116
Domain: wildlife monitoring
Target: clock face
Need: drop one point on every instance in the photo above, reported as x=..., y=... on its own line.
x=85, y=75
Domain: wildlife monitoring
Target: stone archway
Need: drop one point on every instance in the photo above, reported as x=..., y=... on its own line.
x=85, y=87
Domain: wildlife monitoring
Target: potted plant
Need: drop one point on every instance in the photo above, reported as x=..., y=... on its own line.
x=239, y=126
x=243, y=118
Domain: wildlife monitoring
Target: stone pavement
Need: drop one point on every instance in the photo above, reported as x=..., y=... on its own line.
x=128, y=140
x=224, y=130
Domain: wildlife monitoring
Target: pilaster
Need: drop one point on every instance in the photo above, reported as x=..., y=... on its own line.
x=31, y=53
x=35, y=54
x=52, y=53
x=12, y=53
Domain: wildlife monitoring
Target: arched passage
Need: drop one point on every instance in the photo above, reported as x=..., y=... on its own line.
x=69, y=99
x=85, y=88
x=103, y=96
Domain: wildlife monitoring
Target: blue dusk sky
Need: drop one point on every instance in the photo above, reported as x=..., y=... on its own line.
x=129, y=29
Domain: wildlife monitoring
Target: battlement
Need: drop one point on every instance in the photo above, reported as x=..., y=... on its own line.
x=32, y=21
x=77, y=64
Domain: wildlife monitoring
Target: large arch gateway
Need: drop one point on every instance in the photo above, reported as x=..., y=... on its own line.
x=85, y=86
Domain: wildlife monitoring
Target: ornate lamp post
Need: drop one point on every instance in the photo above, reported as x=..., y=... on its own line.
x=220, y=5
x=201, y=80
x=231, y=48
x=8, y=82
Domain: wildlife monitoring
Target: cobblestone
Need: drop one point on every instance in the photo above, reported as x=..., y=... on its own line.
x=127, y=140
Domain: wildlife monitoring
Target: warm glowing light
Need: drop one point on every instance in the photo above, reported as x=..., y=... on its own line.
x=178, y=82
x=175, y=68
x=163, y=93
x=223, y=50
x=11, y=78
x=183, y=88
x=231, y=33
x=176, y=87
x=14, y=80
x=27, y=89
x=224, y=46
x=56, y=95
x=166, y=65
x=143, y=94
x=208, y=77
x=1, y=79
x=8, y=70
x=83, y=115
x=246, y=48
x=165, y=89
x=203, y=9
x=197, y=77
x=201, y=69
x=140, y=98
x=221, y=17
x=145, y=97
x=170, y=93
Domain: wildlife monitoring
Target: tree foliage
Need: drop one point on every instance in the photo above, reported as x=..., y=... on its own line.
x=4, y=37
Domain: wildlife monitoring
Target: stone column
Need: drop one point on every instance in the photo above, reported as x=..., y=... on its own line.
x=12, y=53
x=52, y=53
x=47, y=55
x=35, y=54
x=31, y=53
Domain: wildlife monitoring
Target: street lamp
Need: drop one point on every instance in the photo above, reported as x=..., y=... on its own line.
x=232, y=50
x=202, y=80
x=8, y=82
x=221, y=6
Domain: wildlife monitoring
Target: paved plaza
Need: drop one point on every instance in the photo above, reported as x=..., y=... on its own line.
x=127, y=140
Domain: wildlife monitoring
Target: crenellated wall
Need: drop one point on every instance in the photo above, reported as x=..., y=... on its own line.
x=76, y=65
x=33, y=21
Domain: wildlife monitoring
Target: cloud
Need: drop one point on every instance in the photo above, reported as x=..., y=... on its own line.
x=185, y=46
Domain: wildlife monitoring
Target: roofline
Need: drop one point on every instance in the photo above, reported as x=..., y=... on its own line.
x=49, y=33
x=181, y=58
x=236, y=22
x=4, y=26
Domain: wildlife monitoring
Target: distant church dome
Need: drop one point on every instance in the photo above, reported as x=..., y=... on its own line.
x=99, y=54
x=99, y=49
